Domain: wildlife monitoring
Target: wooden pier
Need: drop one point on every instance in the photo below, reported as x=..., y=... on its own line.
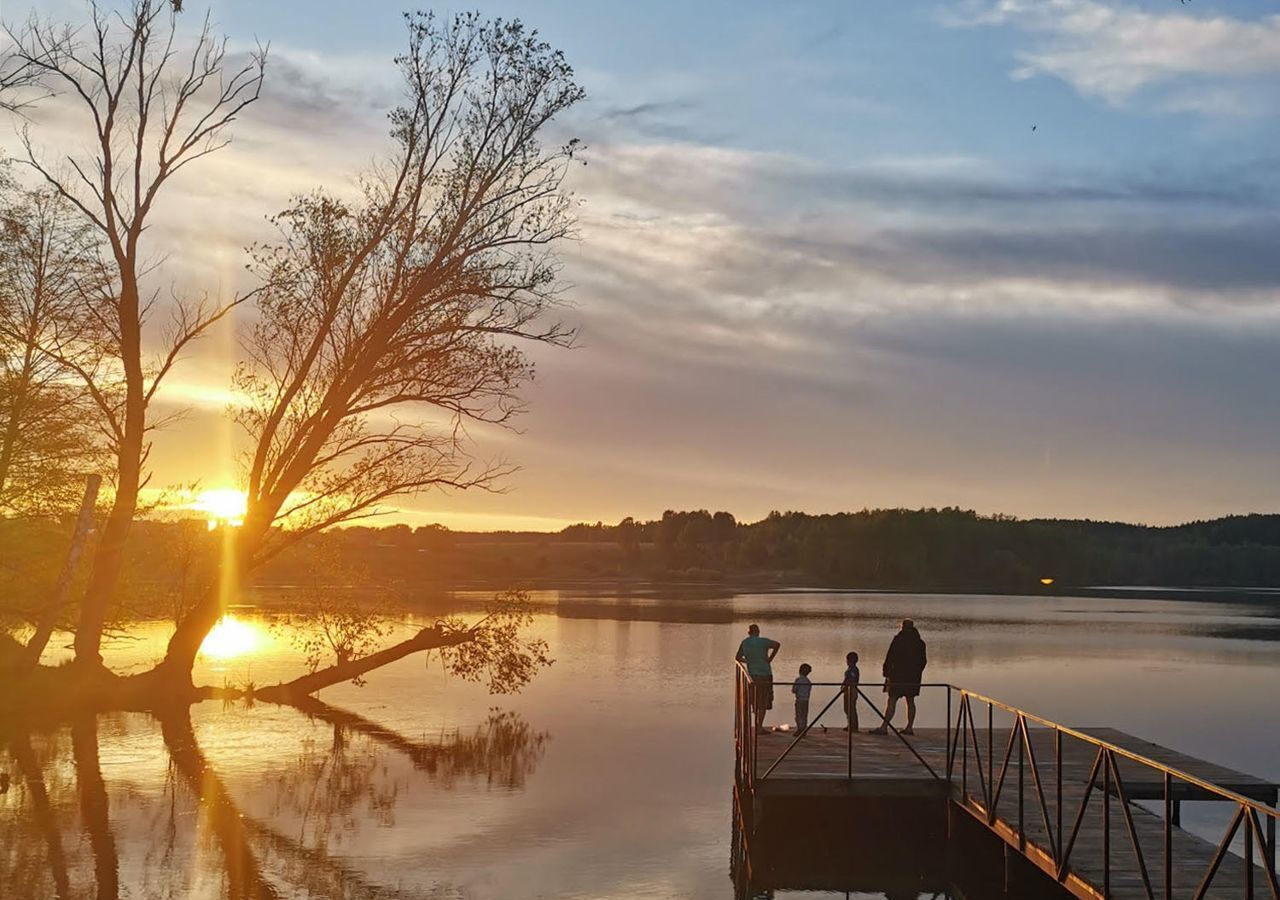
x=1096, y=810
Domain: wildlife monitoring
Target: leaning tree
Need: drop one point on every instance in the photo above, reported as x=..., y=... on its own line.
x=388, y=320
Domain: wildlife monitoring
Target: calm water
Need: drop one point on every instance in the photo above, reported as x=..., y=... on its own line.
x=609, y=777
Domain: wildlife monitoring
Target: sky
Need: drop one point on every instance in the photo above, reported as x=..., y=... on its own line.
x=1020, y=257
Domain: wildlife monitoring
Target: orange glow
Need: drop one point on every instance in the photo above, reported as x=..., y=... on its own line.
x=1046, y=581
x=231, y=637
x=222, y=506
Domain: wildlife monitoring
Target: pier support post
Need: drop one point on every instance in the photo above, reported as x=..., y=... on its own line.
x=1271, y=833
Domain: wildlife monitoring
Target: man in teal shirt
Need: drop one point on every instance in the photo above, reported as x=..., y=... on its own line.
x=757, y=653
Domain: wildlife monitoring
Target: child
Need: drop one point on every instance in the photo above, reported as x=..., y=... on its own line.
x=851, y=676
x=801, y=689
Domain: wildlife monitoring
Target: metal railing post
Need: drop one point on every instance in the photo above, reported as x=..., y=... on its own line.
x=754, y=731
x=849, y=700
x=1271, y=834
x=1022, y=831
x=1268, y=860
x=1168, y=836
x=991, y=750
x=1248, y=857
x=1106, y=823
x=950, y=743
x=1057, y=769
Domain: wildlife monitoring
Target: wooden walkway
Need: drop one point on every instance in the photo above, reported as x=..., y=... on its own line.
x=883, y=766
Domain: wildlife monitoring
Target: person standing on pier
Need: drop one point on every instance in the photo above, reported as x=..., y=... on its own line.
x=851, y=678
x=903, y=666
x=757, y=653
x=802, y=688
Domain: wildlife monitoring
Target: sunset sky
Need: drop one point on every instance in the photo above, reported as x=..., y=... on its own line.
x=1018, y=256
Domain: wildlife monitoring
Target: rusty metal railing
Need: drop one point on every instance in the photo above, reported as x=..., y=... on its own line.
x=1054, y=852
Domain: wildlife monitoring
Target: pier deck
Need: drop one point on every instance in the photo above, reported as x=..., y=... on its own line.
x=819, y=763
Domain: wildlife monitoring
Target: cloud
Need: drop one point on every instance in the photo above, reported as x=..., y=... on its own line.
x=918, y=329
x=917, y=332
x=761, y=235
x=1115, y=51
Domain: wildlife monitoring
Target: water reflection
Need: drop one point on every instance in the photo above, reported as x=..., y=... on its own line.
x=503, y=752
x=64, y=833
x=892, y=850
x=407, y=787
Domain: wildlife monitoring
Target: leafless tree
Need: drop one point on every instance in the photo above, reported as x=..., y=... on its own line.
x=388, y=321
x=154, y=103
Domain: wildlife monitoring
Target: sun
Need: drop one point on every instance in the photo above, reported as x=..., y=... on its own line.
x=222, y=506
x=231, y=637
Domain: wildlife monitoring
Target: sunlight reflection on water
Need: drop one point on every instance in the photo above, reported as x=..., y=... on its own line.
x=609, y=777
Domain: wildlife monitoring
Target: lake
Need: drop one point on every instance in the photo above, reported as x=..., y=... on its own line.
x=609, y=777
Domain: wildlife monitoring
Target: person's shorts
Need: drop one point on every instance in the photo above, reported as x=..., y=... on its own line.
x=902, y=690
x=763, y=688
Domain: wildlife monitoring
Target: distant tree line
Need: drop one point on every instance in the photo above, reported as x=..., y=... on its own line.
x=952, y=548
x=926, y=549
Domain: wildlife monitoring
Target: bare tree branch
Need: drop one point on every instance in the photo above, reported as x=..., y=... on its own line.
x=152, y=110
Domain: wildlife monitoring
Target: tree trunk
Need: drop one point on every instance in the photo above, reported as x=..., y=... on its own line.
x=194, y=627
x=245, y=880
x=95, y=808
x=107, y=562
x=17, y=409
x=49, y=615
x=109, y=558
x=42, y=811
x=184, y=644
x=426, y=639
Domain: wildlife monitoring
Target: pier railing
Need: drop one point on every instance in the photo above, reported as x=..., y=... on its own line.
x=1054, y=844
x=1051, y=840
x=747, y=739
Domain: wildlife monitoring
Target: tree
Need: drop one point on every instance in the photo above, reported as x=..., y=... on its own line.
x=152, y=110
x=386, y=322
x=627, y=534
x=48, y=265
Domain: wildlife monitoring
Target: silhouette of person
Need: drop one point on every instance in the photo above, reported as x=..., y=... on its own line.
x=851, y=677
x=757, y=654
x=903, y=665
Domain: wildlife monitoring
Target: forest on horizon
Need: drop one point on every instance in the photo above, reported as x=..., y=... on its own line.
x=928, y=549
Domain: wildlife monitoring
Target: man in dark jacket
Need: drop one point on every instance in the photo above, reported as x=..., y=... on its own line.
x=903, y=666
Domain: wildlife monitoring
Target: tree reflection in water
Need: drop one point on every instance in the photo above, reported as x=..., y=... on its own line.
x=324, y=788
x=58, y=837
